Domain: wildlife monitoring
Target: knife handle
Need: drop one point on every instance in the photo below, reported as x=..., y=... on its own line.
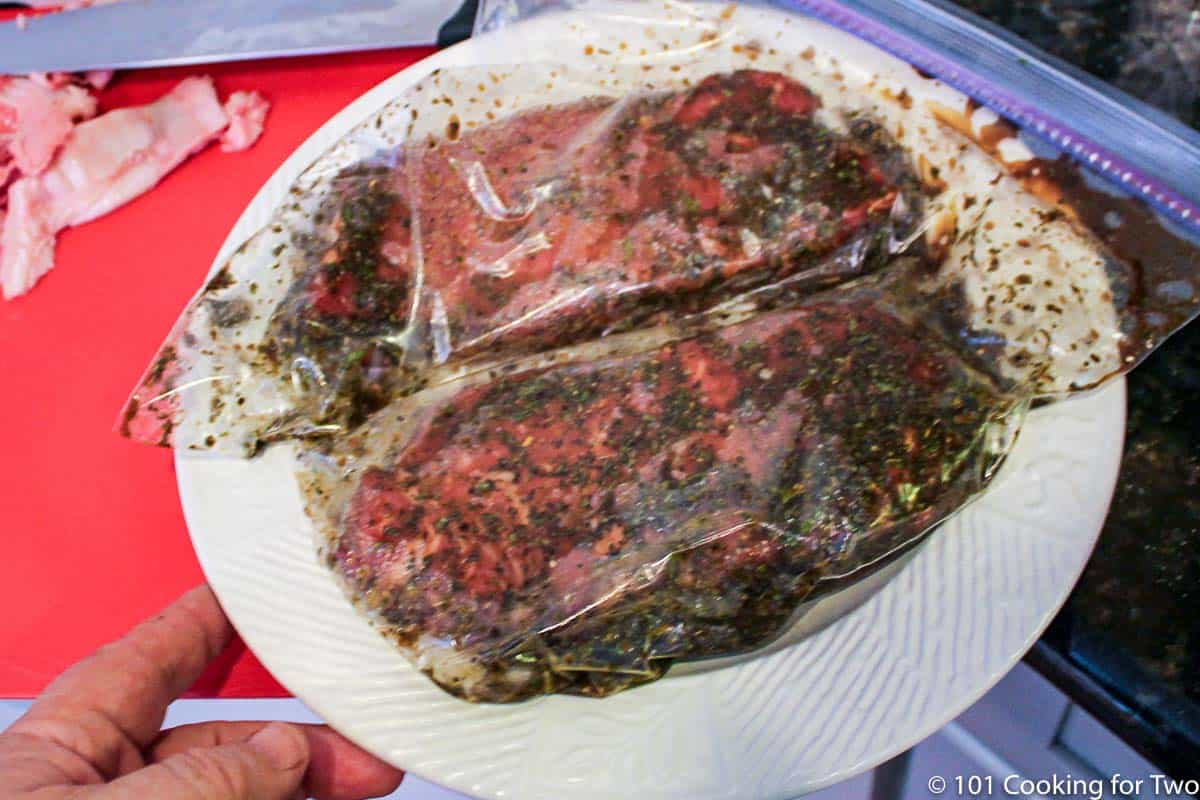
x=459, y=27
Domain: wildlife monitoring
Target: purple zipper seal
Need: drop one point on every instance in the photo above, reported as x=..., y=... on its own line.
x=1061, y=137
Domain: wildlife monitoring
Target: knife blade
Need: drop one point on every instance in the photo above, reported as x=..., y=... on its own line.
x=155, y=33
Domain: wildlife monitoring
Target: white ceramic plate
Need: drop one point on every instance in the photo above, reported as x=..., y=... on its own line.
x=957, y=616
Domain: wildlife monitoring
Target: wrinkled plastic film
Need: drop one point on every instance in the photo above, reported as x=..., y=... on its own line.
x=604, y=365
x=1122, y=170
x=576, y=528
x=326, y=307
x=1111, y=127
x=297, y=337
x=392, y=277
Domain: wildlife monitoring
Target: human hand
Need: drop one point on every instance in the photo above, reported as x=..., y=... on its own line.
x=94, y=734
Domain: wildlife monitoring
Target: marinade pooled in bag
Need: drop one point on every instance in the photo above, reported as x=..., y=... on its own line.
x=576, y=528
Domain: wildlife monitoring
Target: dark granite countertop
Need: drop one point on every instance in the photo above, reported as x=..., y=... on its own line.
x=1127, y=644
x=1148, y=48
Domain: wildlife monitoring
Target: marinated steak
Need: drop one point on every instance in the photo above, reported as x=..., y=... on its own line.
x=566, y=222
x=575, y=528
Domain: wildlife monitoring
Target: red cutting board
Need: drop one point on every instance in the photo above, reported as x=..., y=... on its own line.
x=93, y=536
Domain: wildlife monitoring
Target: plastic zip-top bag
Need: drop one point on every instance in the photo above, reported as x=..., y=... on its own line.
x=618, y=355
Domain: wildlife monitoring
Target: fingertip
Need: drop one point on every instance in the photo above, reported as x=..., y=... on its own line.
x=340, y=770
x=203, y=601
x=283, y=746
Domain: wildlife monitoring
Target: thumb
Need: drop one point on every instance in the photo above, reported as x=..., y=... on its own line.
x=269, y=765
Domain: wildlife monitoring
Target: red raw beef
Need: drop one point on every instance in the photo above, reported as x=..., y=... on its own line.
x=576, y=528
x=567, y=222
